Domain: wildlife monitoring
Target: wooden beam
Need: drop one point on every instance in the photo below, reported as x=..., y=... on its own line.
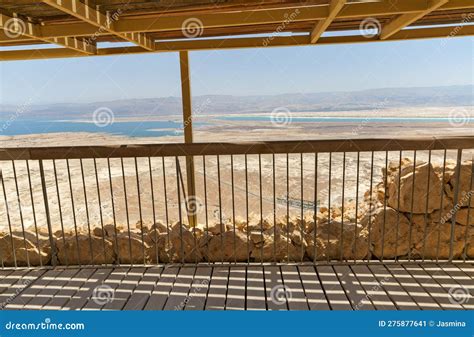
x=238, y=43
x=188, y=136
x=402, y=21
x=334, y=8
x=94, y=17
x=17, y=27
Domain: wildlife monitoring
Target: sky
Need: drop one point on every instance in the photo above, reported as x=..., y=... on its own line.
x=261, y=71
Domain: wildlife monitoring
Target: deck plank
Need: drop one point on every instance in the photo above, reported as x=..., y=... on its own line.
x=332, y=287
x=86, y=292
x=256, y=299
x=354, y=290
x=216, y=296
x=161, y=291
x=14, y=284
x=142, y=292
x=199, y=289
x=313, y=289
x=275, y=291
x=235, y=299
x=297, y=298
x=180, y=292
x=125, y=288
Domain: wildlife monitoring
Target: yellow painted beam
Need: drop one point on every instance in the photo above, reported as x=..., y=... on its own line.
x=104, y=23
x=334, y=8
x=405, y=20
x=238, y=43
x=15, y=27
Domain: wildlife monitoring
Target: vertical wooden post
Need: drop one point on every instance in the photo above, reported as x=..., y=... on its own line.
x=188, y=135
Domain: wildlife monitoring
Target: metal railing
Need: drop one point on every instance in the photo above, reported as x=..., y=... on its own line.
x=320, y=201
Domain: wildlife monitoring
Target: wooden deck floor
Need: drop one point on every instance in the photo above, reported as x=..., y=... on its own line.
x=338, y=287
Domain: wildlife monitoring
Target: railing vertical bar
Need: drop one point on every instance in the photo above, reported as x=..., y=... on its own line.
x=287, y=207
x=68, y=166
x=384, y=205
x=7, y=209
x=178, y=191
x=261, y=203
x=247, y=206
x=165, y=192
x=60, y=210
x=233, y=205
x=48, y=215
x=302, y=204
x=426, y=206
x=371, y=205
x=112, y=200
x=87, y=211
x=126, y=211
x=455, y=202
x=205, y=202
x=412, y=207
x=356, y=205
x=20, y=209
x=153, y=206
x=274, y=209
x=140, y=211
x=329, y=205
x=468, y=220
x=398, y=204
x=315, y=216
x=341, y=248
x=33, y=208
x=220, y=206
x=99, y=200
x=441, y=208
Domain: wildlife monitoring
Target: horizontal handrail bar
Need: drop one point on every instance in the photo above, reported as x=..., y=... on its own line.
x=271, y=147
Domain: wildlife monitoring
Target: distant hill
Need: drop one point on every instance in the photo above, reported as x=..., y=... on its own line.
x=225, y=104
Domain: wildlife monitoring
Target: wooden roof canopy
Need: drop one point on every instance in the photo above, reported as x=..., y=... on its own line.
x=78, y=27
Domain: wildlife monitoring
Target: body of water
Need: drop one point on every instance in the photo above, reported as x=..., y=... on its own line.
x=355, y=120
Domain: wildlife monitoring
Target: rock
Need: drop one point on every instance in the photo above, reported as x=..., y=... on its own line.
x=328, y=242
x=130, y=249
x=466, y=190
x=158, y=248
x=160, y=227
x=278, y=248
x=423, y=172
x=386, y=235
x=462, y=214
x=184, y=245
x=426, y=242
x=227, y=247
x=470, y=243
x=23, y=250
x=77, y=250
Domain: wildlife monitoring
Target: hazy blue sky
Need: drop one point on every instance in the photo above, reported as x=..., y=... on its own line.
x=242, y=72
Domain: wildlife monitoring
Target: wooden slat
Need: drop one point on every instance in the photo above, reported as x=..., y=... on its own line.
x=112, y=281
x=393, y=288
x=216, y=297
x=332, y=287
x=85, y=293
x=179, y=293
x=199, y=289
x=141, y=294
x=292, y=281
x=256, y=299
x=235, y=299
x=53, y=291
x=353, y=289
x=313, y=290
x=160, y=293
x=70, y=289
x=125, y=289
x=14, y=283
x=275, y=289
x=375, y=290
